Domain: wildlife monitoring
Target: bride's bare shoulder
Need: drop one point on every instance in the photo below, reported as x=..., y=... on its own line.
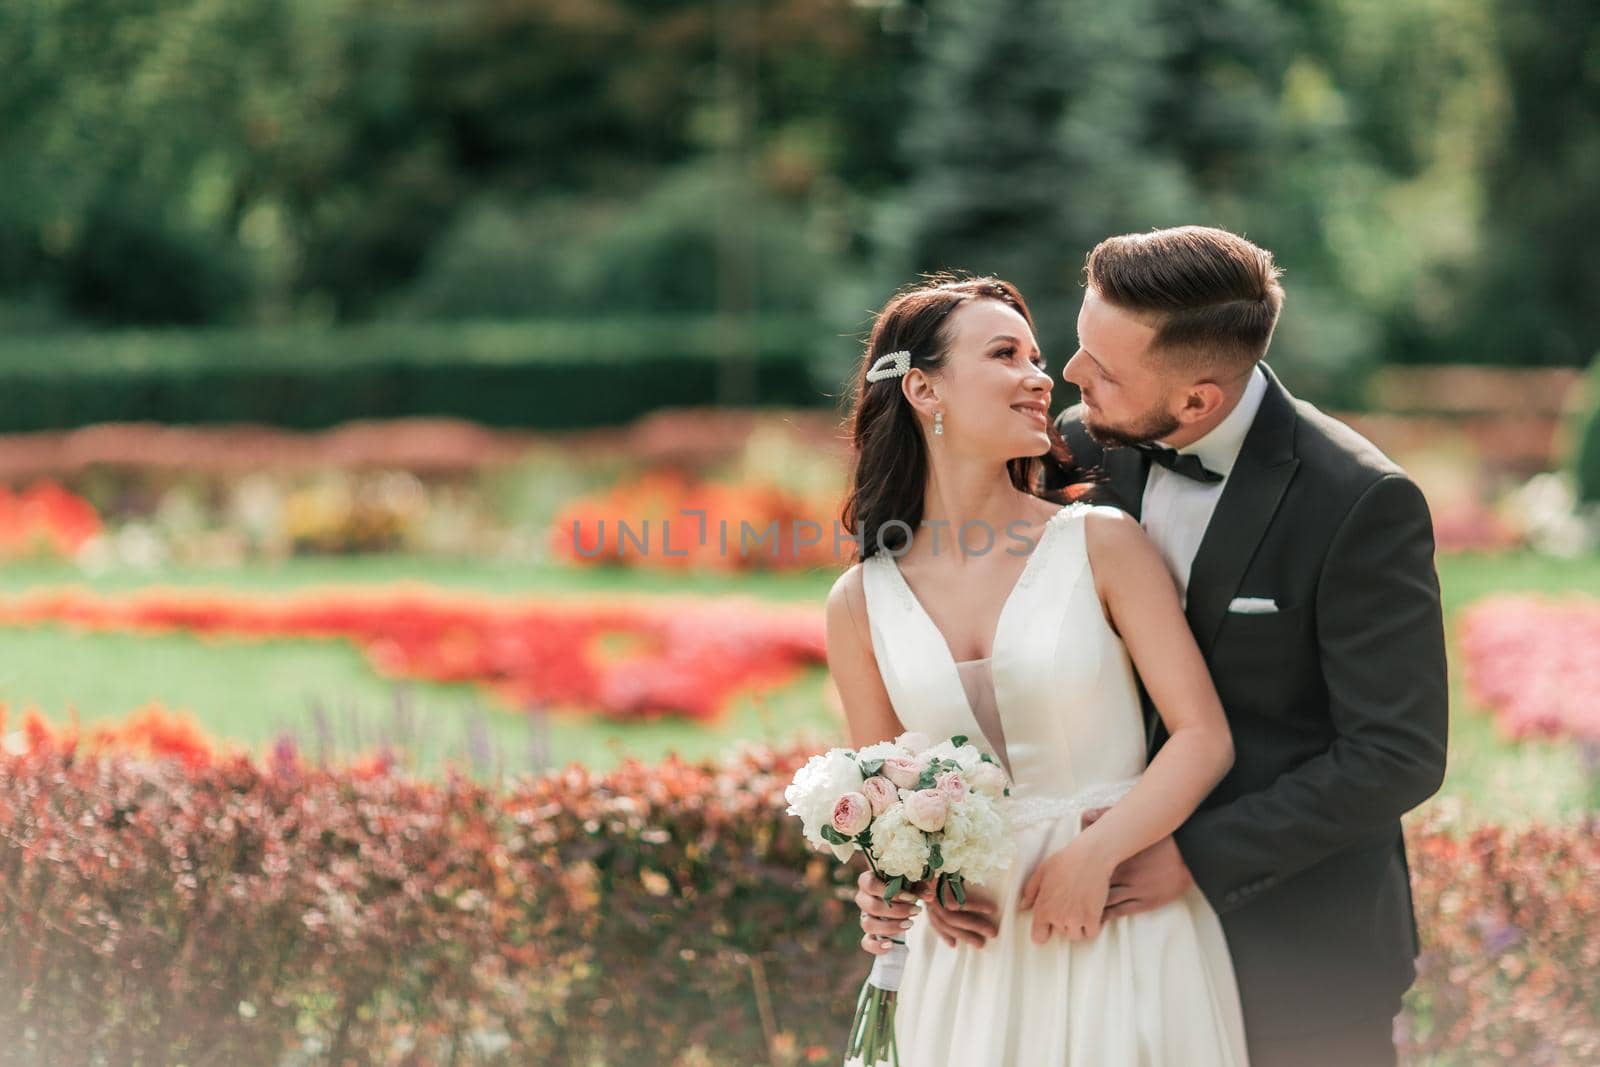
x=848, y=636
x=1103, y=517
x=848, y=583
x=1113, y=536
x=847, y=600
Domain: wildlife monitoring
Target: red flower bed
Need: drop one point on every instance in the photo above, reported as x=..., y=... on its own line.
x=684, y=657
x=1536, y=663
x=233, y=911
x=151, y=731
x=44, y=519
x=743, y=528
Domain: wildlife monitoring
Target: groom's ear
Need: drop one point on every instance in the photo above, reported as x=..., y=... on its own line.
x=1200, y=401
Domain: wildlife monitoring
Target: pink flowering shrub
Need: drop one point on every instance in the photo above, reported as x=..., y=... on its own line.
x=1510, y=967
x=153, y=911
x=1536, y=663
x=225, y=911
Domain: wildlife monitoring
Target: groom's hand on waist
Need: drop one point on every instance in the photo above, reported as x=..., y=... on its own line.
x=972, y=923
x=1146, y=880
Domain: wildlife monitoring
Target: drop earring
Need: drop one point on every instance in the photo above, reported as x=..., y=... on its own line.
x=938, y=423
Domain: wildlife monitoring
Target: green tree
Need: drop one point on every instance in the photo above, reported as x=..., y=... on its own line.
x=194, y=160
x=1533, y=292
x=1344, y=135
x=1028, y=143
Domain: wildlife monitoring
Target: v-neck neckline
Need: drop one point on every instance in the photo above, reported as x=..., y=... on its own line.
x=949, y=654
x=953, y=665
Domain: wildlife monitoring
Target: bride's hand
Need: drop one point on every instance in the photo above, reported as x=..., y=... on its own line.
x=883, y=924
x=1067, y=893
x=973, y=923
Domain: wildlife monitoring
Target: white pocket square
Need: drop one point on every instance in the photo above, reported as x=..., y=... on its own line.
x=1252, y=605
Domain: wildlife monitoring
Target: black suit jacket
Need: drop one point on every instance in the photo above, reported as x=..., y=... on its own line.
x=1337, y=704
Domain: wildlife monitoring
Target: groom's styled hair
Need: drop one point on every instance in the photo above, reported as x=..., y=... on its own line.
x=1212, y=297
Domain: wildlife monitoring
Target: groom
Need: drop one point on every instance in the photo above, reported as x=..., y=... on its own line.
x=1305, y=558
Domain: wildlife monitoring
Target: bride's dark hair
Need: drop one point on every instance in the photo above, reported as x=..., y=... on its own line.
x=891, y=468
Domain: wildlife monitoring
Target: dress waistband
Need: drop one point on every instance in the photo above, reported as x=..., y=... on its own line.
x=1025, y=811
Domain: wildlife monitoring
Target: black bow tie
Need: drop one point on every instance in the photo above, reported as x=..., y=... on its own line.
x=1185, y=463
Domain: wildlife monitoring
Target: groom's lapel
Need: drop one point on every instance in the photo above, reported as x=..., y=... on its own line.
x=1254, y=488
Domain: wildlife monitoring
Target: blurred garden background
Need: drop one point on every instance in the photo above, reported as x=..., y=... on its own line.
x=334, y=332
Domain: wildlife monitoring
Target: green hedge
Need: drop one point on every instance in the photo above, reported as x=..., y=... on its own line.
x=543, y=375
x=1586, y=456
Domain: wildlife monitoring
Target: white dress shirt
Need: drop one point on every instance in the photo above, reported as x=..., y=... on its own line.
x=1176, y=510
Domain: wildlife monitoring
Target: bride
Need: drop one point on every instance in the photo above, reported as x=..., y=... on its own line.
x=979, y=608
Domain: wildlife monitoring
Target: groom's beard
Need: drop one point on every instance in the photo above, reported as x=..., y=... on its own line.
x=1152, y=426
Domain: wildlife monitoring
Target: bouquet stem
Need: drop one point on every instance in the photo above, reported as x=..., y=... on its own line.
x=872, y=1041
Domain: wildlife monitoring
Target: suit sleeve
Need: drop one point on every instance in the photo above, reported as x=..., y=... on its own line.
x=1380, y=637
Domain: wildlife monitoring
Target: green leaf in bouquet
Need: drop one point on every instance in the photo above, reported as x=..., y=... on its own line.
x=958, y=740
x=870, y=767
x=927, y=781
x=896, y=884
x=833, y=837
x=935, y=857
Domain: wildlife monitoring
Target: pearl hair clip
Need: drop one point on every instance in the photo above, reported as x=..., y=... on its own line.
x=890, y=365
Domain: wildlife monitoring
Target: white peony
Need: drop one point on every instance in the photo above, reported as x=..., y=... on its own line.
x=881, y=750
x=977, y=842
x=914, y=741
x=967, y=755
x=900, y=848
x=817, y=787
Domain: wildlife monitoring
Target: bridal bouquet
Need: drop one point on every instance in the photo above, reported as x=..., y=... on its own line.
x=916, y=810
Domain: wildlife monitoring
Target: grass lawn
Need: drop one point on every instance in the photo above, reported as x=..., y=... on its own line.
x=487, y=576
x=325, y=695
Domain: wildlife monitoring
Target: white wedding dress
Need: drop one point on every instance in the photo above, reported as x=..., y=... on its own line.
x=1058, y=705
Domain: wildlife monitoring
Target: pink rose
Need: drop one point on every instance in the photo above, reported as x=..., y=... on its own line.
x=914, y=741
x=851, y=814
x=988, y=779
x=926, y=810
x=902, y=771
x=880, y=793
x=952, y=785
